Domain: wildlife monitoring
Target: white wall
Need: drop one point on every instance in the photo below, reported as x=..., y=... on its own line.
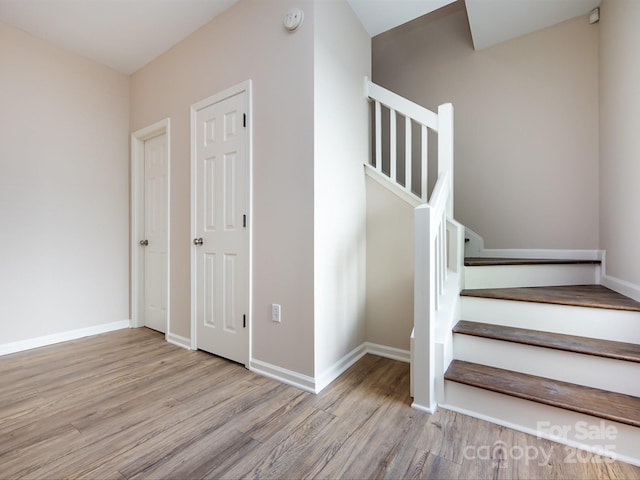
x=248, y=41
x=619, y=140
x=341, y=143
x=526, y=123
x=64, y=191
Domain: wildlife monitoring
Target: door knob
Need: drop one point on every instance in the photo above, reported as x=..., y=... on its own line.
x=144, y=243
x=198, y=241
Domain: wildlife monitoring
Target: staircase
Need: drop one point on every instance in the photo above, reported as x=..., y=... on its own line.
x=400, y=163
x=543, y=348
x=537, y=345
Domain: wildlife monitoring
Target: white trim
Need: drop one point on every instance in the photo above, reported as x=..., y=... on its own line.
x=163, y=127
x=295, y=379
x=194, y=298
x=388, y=352
x=178, y=340
x=401, y=105
x=621, y=286
x=430, y=409
x=320, y=382
x=342, y=365
x=339, y=367
x=475, y=245
x=392, y=186
x=30, y=343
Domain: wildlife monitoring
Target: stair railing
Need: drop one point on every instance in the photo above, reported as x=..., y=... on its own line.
x=432, y=244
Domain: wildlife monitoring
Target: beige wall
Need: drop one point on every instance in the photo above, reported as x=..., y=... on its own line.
x=619, y=139
x=389, y=299
x=342, y=59
x=526, y=124
x=64, y=190
x=248, y=41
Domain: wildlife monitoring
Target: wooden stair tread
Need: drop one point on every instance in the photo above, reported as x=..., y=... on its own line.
x=629, y=352
x=612, y=406
x=595, y=296
x=494, y=261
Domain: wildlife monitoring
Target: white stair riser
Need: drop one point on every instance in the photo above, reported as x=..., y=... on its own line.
x=616, y=325
x=570, y=428
x=588, y=370
x=505, y=276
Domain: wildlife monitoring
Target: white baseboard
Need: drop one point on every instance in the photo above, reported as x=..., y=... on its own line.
x=45, y=340
x=621, y=286
x=178, y=340
x=339, y=367
x=430, y=409
x=388, y=352
x=316, y=385
x=295, y=379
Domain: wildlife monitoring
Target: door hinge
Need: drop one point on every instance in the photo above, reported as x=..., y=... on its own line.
x=244, y=120
x=244, y=321
x=244, y=221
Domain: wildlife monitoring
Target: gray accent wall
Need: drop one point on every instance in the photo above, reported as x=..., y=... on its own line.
x=526, y=123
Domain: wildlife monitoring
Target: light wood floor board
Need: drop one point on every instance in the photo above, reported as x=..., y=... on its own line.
x=127, y=405
x=593, y=296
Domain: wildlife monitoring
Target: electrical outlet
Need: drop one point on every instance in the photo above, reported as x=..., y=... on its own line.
x=275, y=313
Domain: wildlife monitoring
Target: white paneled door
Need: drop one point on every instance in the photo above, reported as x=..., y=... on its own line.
x=155, y=242
x=220, y=209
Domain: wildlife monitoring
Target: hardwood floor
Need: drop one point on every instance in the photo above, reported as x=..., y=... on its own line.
x=629, y=352
x=612, y=406
x=594, y=296
x=493, y=261
x=127, y=405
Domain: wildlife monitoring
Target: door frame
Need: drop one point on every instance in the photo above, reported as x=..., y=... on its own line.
x=138, y=139
x=243, y=87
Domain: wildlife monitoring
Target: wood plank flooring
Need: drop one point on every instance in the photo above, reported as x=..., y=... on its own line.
x=590, y=401
x=127, y=405
x=594, y=296
x=629, y=352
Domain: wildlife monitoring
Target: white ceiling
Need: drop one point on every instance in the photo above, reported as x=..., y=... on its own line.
x=378, y=16
x=127, y=34
x=494, y=21
x=122, y=34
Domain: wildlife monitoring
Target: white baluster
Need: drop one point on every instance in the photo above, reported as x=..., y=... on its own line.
x=408, y=154
x=425, y=163
x=393, y=136
x=378, y=152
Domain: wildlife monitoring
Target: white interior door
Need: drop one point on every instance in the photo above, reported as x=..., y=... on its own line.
x=220, y=204
x=155, y=235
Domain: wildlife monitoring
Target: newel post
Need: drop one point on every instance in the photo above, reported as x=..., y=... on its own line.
x=424, y=394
